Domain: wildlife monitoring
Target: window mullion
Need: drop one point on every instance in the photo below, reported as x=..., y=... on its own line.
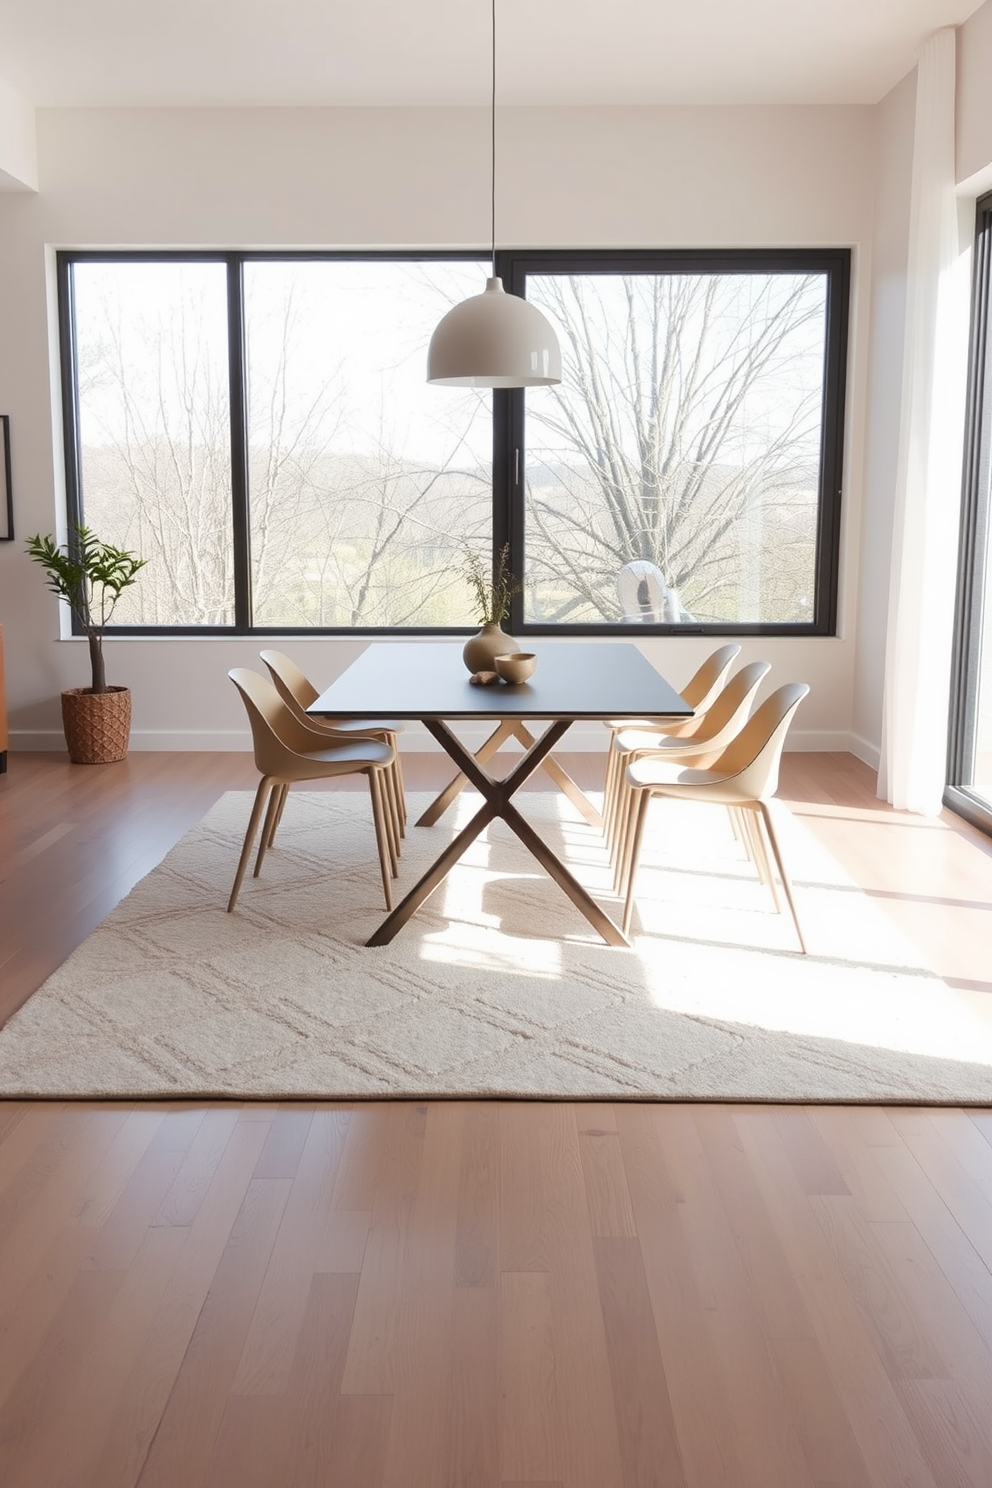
x=70, y=393
x=237, y=369
x=508, y=464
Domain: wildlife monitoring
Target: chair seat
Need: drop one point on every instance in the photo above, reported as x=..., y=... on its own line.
x=365, y=751
x=630, y=741
x=359, y=725
x=649, y=773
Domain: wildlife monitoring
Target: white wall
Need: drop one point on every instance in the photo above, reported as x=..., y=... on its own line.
x=974, y=102
x=893, y=179
x=18, y=153
x=398, y=178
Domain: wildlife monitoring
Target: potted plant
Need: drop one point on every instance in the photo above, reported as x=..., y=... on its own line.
x=91, y=576
x=492, y=592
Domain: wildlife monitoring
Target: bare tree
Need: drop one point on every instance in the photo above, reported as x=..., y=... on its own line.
x=686, y=433
x=336, y=538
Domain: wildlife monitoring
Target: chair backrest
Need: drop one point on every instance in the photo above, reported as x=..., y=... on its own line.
x=290, y=683
x=753, y=758
x=702, y=688
x=720, y=723
x=277, y=734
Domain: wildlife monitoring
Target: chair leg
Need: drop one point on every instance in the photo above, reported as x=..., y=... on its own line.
x=609, y=785
x=616, y=793
x=615, y=844
x=626, y=823
x=265, y=785
x=381, y=831
x=640, y=814
x=626, y=846
x=269, y=826
x=397, y=770
x=283, y=793
x=393, y=796
x=626, y=813
x=609, y=760
x=622, y=814
x=754, y=843
x=618, y=796
x=282, y=808
x=766, y=816
x=393, y=807
x=390, y=822
x=619, y=833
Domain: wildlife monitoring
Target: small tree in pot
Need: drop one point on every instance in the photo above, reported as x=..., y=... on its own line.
x=91, y=576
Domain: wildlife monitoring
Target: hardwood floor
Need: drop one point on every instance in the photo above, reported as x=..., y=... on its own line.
x=501, y=1294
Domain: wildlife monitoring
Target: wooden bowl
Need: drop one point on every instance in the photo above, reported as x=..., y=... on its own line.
x=516, y=667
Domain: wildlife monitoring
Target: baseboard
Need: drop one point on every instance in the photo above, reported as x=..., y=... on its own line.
x=587, y=737
x=37, y=739
x=865, y=750
x=165, y=741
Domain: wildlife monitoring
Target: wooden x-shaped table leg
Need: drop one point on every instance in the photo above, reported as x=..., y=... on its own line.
x=512, y=728
x=496, y=803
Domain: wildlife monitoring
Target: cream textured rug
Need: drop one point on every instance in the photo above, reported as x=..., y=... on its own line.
x=498, y=987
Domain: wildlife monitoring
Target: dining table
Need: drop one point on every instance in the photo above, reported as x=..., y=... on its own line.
x=427, y=682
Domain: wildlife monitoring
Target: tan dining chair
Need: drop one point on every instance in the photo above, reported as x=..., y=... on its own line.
x=713, y=730
x=287, y=751
x=700, y=692
x=743, y=777
x=298, y=692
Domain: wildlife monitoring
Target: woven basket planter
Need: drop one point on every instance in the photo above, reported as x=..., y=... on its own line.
x=97, y=724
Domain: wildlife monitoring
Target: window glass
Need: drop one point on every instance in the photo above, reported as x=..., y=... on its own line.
x=673, y=476
x=153, y=412
x=364, y=482
x=970, y=754
x=982, y=763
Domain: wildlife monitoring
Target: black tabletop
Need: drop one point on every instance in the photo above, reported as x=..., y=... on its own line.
x=573, y=679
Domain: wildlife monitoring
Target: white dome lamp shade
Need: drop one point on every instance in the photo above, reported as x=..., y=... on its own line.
x=494, y=339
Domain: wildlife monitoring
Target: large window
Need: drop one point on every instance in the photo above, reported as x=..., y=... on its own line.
x=260, y=430
x=258, y=426
x=970, y=766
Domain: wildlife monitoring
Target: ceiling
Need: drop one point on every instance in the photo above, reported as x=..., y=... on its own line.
x=88, y=53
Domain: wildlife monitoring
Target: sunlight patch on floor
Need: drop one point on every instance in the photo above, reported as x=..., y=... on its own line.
x=699, y=890
x=709, y=939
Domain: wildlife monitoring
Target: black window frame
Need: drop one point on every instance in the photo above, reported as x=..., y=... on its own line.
x=976, y=516
x=836, y=265
x=508, y=413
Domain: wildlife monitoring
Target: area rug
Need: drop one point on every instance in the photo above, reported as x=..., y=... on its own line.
x=498, y=987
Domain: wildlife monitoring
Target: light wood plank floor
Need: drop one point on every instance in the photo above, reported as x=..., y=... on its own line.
x=508, y=1295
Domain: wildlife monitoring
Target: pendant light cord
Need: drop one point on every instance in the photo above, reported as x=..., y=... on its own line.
x=493, y=171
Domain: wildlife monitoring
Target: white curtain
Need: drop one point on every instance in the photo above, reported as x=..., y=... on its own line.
x=925, y=530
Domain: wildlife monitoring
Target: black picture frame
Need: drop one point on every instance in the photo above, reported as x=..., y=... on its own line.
x=6, y=493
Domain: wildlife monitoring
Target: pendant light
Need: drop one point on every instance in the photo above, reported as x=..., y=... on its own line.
x=494, y=339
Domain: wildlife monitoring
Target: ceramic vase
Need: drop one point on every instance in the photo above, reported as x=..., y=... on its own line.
x=480, y=652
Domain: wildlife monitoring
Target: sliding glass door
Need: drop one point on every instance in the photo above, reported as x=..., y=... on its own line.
x=969, y=790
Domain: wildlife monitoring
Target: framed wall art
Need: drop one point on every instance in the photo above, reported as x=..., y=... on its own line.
x=6, y=495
